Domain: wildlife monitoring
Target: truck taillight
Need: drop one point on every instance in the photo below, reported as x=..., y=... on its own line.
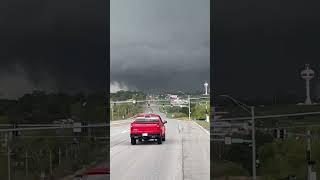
x=158, y=125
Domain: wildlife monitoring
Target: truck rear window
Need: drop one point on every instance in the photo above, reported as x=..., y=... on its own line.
x=147, y=119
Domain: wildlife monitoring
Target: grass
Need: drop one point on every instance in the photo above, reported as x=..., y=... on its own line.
x=204, y=124
x=223, y=168
x=183, y=117
x=68, y=166
x=177, y=116
x=3, y=166
x=117, y=118
x=4, y=120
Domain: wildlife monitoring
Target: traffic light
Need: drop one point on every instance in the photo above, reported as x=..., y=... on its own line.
x=257, y=163
x=311, y=162
x=84, y=129
x=308, y=156
x=282, y=133
x=4, y=143
x=275, y=133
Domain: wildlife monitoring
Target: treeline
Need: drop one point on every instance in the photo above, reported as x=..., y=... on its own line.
x=42, y=107
x=126, y=95
x=198, y=111
x=126, y=110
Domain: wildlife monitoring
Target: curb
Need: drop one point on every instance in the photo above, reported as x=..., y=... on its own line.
x=202, y=128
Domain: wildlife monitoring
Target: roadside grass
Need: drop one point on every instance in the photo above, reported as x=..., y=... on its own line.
x=4, y=120
x=183, y=117
x=223, y=168
x=68, y=165
x=119, y=119
x=126, y=116
x=204, y=124
x=180, y=116
x=3, y=166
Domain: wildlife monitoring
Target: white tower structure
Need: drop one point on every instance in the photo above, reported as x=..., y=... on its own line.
x=307, y=74
x=206, y=88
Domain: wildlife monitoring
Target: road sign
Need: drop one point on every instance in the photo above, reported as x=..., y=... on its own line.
x=238, y=140
x=227, y=140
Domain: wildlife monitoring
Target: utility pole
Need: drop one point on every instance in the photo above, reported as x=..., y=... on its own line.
x=8, y=153
x=50, y=157
x=253, y=137
x=189, y=107
x=254, y=175
x=207, y=117
x=111, y=111
x=118, y=113
x=59, y=159
x=309, y=154
x=67, y=152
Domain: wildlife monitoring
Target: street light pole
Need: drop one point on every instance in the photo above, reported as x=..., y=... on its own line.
x=9, y=159
x=253, y=136
x=309, y=154
x=254, y=173
x=207, y=116
x=189, y=107
x=50, y=159
x=26, y=163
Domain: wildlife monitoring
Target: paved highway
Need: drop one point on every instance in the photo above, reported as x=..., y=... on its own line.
x=185, y=155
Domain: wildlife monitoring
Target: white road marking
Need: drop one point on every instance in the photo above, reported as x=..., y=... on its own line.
x=124, y=131
x=123, y=122
x=202, y=128
x=116, y=134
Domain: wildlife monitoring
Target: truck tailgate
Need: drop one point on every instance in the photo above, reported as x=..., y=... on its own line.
x=145, y=128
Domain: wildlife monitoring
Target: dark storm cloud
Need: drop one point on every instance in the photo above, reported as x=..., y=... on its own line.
x=260, y=47
x=160, y=45
x=52, y=45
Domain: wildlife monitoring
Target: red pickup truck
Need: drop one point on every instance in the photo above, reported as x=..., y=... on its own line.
x=146, y=127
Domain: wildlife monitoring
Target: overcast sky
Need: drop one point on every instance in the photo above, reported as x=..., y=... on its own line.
x=160, y=45
x=52, y=45
x=260, y=47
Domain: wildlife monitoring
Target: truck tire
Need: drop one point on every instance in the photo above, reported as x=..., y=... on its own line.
x=133, y=141
x=164, y=138
x=159, y=140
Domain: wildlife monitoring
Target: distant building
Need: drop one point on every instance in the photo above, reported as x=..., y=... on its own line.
x=173, y=96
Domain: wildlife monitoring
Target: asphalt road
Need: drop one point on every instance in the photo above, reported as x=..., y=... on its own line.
x=185, y=155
